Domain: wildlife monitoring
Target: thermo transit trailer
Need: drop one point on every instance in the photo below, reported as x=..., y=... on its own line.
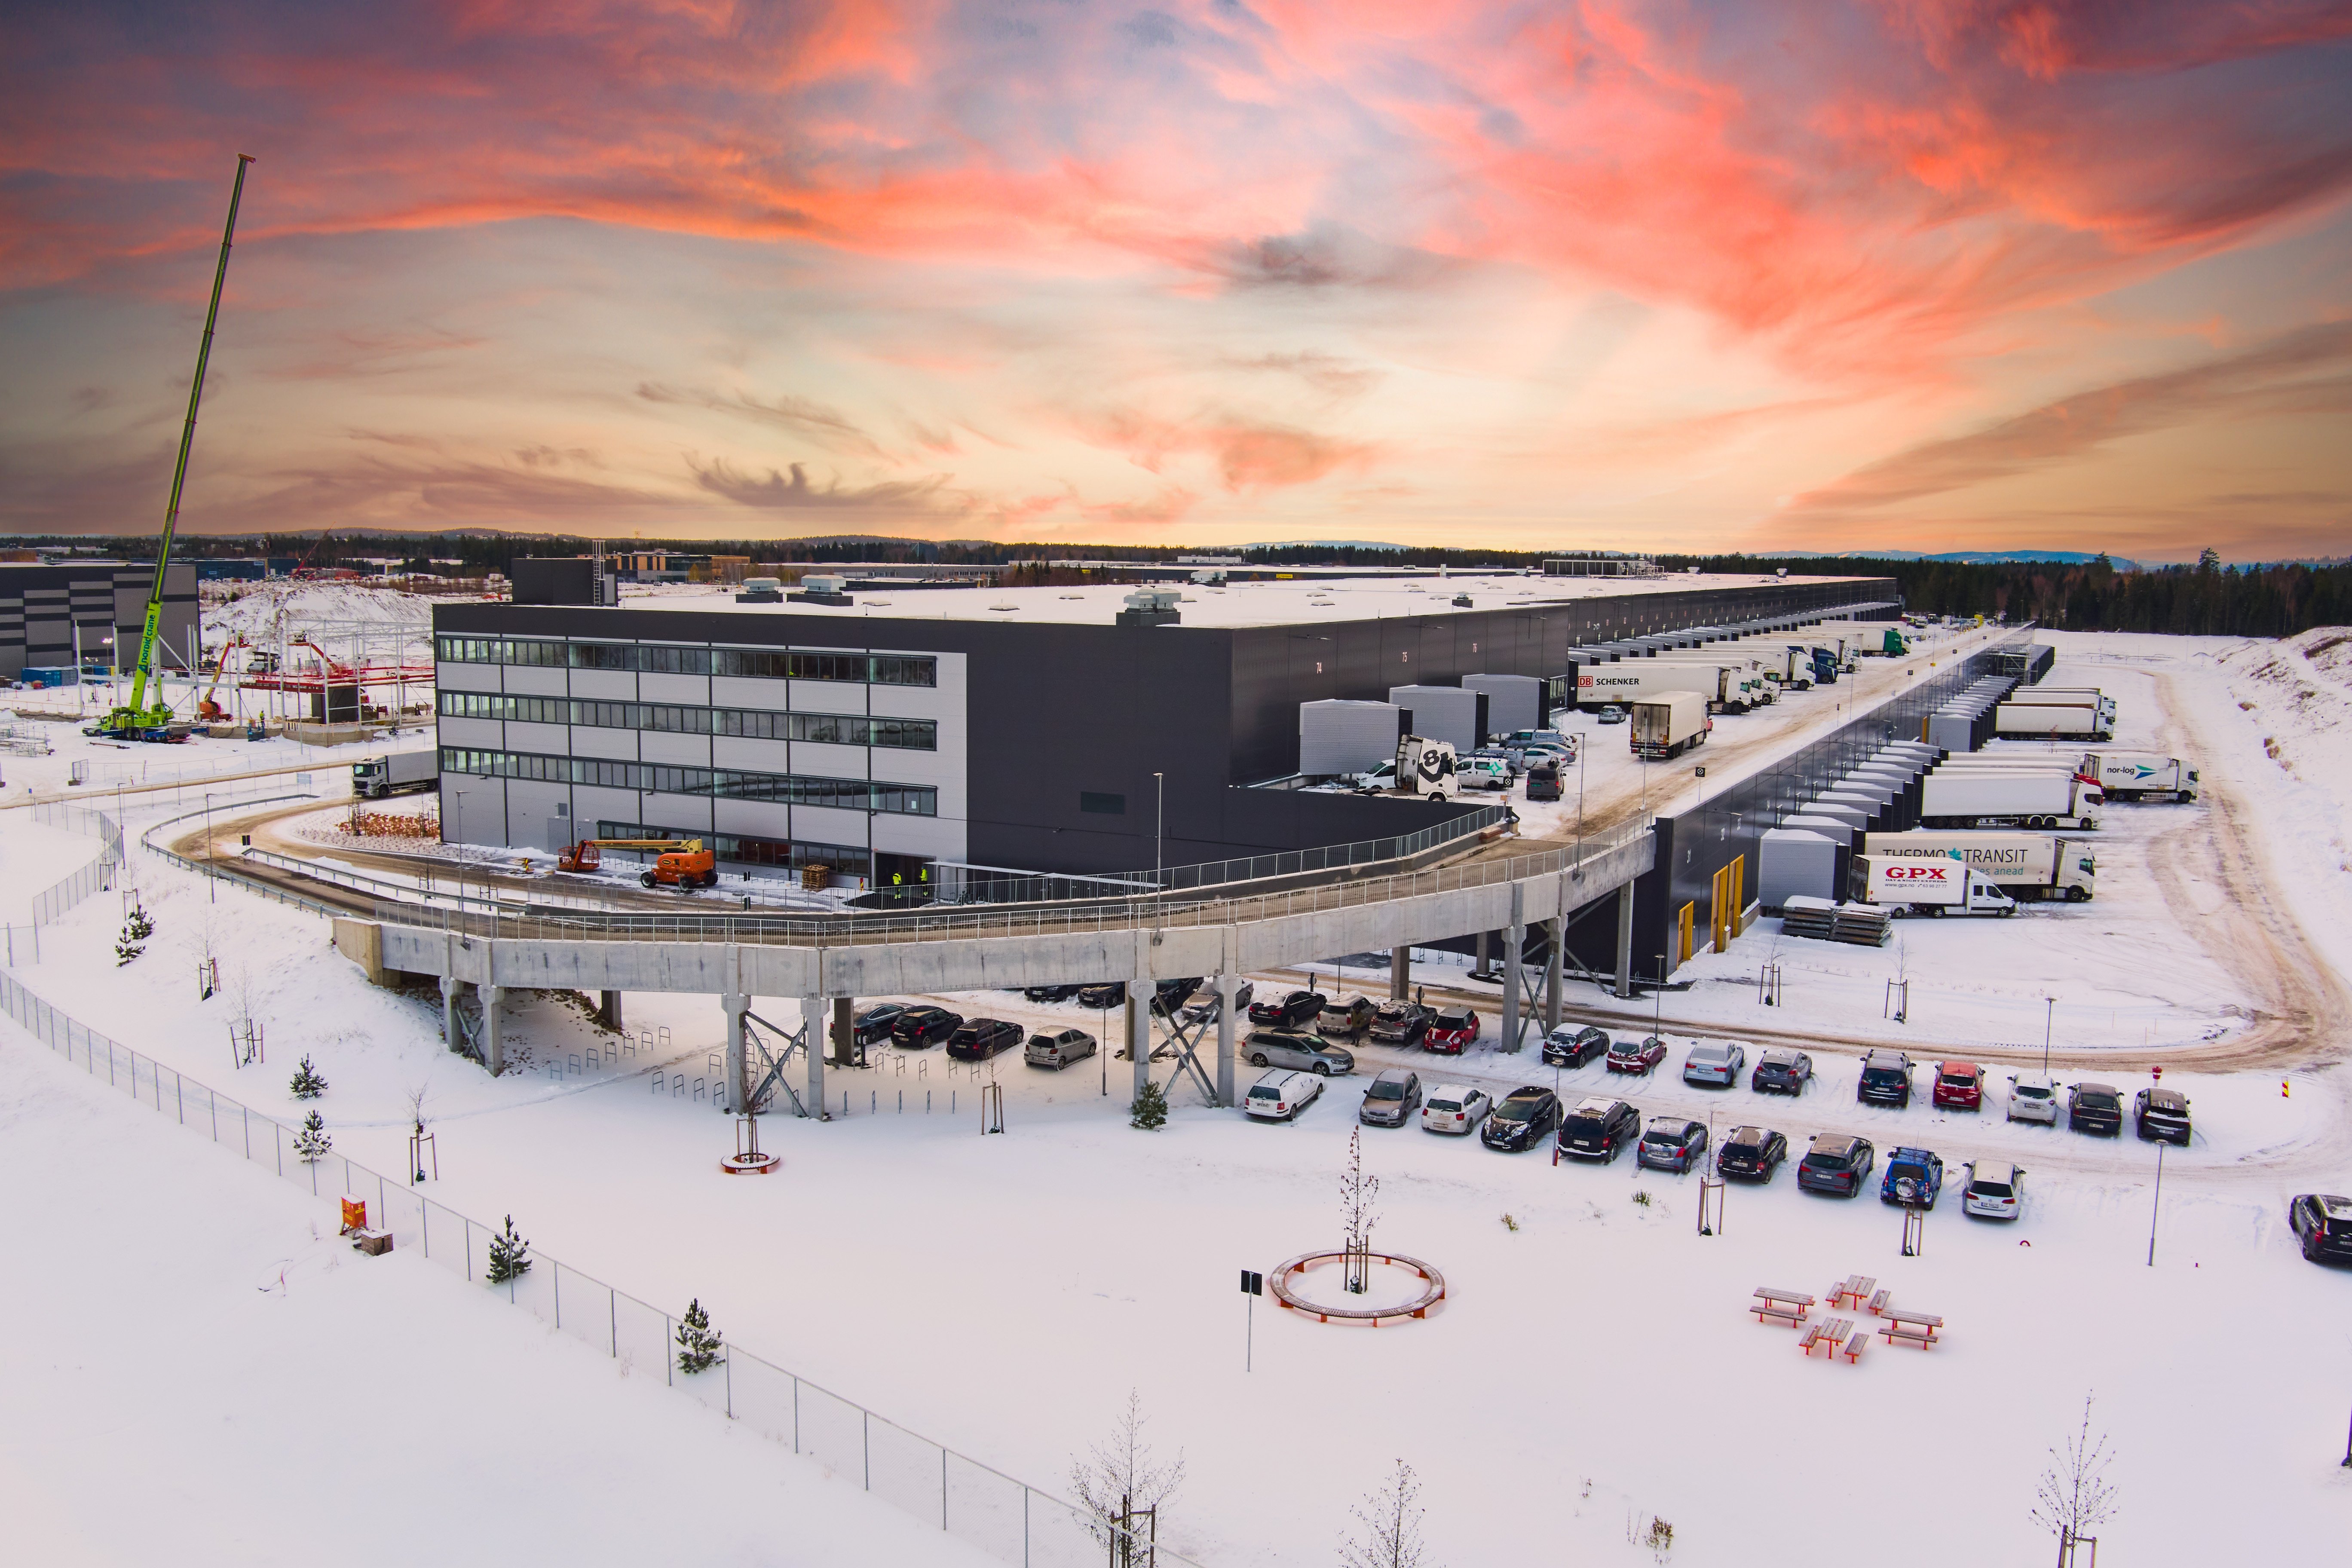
x=2024, y=865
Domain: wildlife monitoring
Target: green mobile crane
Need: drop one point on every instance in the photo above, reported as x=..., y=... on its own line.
x=135, y=721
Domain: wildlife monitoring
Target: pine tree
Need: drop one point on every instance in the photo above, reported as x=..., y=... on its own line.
x=313, y=1142
x=133, y=940
x=1150, y=1110
x=509, y=1256
x=698, y=1342
x=308, y=1084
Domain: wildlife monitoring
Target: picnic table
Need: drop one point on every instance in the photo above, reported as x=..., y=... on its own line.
x=1855, y=1287
x=1910, y=1326
x=1773, y=1304
x=1830, y=1333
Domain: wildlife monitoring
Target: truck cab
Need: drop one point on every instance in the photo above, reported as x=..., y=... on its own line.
x=1425, y=767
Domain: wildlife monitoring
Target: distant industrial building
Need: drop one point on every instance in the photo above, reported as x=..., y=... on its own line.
x=42, y=605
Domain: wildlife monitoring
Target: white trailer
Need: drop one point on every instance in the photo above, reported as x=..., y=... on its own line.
x=2142, y=776
x=1668, y=723
x=1639, y=679
x=1964, y=798
x=2039, y=719
x=1933, y=887
x=2024, y=865
x=373, y=778
x=1742, y=687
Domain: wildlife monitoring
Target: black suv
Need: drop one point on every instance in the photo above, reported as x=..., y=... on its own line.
x=1169, y=996
x=1754, y=1152
x=2323, y=1223
x=872, y=1027
x=977, y=1039
x=2161, y=1112
x=1522, y=1120
x=1599, y=1130
x=1836, y=1164
x=1110, y=994
x=1049, y=993
x=2095, y=1108
x=1671, y=1143
x=1781, y=1072
x=1401, y=1023
x=919, y=1026
x=1564, y=1047
x=1291, y=1010
x=1885, y=1080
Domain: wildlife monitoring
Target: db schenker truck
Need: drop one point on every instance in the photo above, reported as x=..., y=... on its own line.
x=2004, y=799
x=373, y=778
x=1668, y=723
x=2022, y=865
x=1638, y=680
x=1933, y=887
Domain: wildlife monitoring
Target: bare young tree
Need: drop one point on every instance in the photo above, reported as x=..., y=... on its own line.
x=1356, y=1192
x=1387, y=1533
x=416, y=1094
x=2075, y=1497
x=1120, y=1478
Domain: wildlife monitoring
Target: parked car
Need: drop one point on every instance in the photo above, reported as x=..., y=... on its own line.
x=918, y=1027
x=1451, y=1030
x=2095, y=1108
x=1671, y=1143
x=1996, y=1188
x=1059, y=1049
x=1716, y=1062
x=2323, y=1223
x=2160, y=1112
x=1543, y=779
x=1455, y=1108
x=1169, y=996
x=1110, y=994
x=1611, y=713
x=1599, y=1128
x=1482, y=773
x=1281, y=1095
x=1539, y=738
x=1636, y=1055
x=1959, y=1085
x=1389, y=1099
x=977, y=1039
x=1307, y=1053
x=1836, y=1164
x=1781, y=1072
x=1049, y=993
x=1885, y=1080
x=1290, y=1010
x=1203, y=1004
x=871, y=1026
x=1914, y=1177
x=1345, y=1017
x=1527, y=1116
x=2034, y=1097
x=1571, y=1046
x=1754, y=1152
x=1401, y=1023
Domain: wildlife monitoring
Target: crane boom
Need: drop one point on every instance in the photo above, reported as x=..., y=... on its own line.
x=135, y=716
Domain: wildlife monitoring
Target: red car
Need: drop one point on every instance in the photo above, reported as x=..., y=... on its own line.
x=1628, y=1055
x=1451, y=1030
x=1960, y=1085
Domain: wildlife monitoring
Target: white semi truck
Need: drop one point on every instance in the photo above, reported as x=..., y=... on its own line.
x=1425, y=767
x=373, y=778
x=2039, y=719
x=1933, y=887
x=1985, y=798
x=2142, y=776
x=1668, y=723
x=1638, y=680
x=2025, y=865
x=1743, y=686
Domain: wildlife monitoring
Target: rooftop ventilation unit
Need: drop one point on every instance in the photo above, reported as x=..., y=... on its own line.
x=1151, y=608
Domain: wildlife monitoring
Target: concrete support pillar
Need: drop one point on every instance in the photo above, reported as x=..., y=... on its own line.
x=449, y=1035
x=1138, y=1030
x=494, y=1006
x=1555, y=964
x=1227, y=985
x=1515, y=943
x=845, y=1030
x=1479, y=969
x=812, y=1038
x=608, y=1009
x=736, y=1054
x=1625, y=940
x=1399, y=974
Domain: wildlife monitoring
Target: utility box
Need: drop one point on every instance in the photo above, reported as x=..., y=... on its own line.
x=1452, y=714
x=1345, y=737
x=1795, y=862
x=1513, y=702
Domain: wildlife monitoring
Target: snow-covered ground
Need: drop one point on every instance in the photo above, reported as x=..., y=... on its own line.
x=1594, y=1363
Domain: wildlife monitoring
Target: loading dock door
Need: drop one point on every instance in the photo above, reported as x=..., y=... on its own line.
x=1683, y=933
x=1723, y=917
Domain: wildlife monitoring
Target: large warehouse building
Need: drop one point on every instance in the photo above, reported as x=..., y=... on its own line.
x=916, y=736
x=50, y=611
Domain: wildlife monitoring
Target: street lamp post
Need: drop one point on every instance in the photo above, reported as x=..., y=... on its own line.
x=2157, y=1207
x=2047, y=1019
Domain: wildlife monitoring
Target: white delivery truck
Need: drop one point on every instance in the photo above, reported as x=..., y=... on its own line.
x=1668, y=723
x=2022, y=865
x=373, y=778
x=1737, y=688
x=1933, y=887
x=1425, y=767
x=2141, y=775
x=1978, y=798
x=2039, y=718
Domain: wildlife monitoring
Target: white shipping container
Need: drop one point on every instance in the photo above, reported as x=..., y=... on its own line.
x=1513, y=702
x=1345, y=737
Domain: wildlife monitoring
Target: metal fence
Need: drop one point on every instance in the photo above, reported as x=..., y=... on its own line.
x=976, y=1502
x=51, y=902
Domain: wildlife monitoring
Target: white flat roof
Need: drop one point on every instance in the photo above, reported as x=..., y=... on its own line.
x=1233, y=605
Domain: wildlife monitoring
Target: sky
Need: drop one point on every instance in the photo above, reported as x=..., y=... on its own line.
x=1917, y=274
